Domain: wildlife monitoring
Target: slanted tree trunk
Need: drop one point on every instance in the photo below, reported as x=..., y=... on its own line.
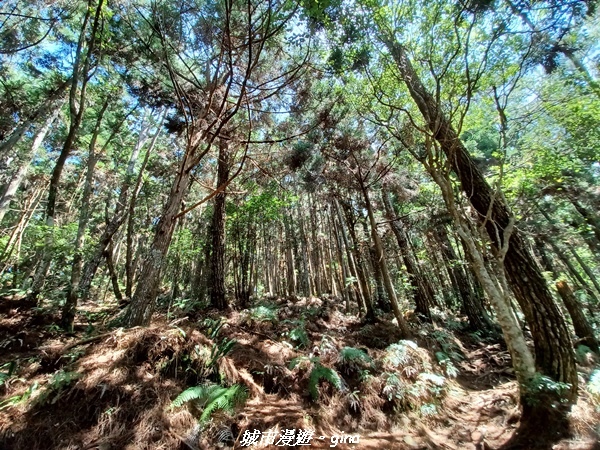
x=585, y=268
x=143, y=301
x=18, y=177
x=381, y=260
x=47, y=109
x=471, y=301
x=29, y=207
x=554, y=355
x=589, y=216
x=522, y=359
x=572, y=271
x=81, y=70
x=582, y=327
x=587, y=234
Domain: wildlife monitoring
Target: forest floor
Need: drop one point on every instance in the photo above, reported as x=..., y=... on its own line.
x=112, y=388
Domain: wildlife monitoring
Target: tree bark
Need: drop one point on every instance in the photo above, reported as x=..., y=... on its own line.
x=143, y=301
x=421, y=292
x=472, y=302
x=582, y=327
x=68, y=310
x=387, y=281
x=554, y=355
x=216, y=285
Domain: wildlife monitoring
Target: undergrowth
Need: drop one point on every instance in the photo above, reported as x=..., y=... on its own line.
x=213, y=397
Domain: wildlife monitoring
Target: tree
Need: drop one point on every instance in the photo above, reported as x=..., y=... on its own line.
x=236, y=46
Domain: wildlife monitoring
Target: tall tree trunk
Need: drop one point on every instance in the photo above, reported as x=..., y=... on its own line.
x=380, y=298
x=289, y=257
x=315, y=248
x=306, y=284
x=120, y=214
x=114, y=278
x=422, y=293
x=355, y=259
x=129, y=260
x=68, y=311
x=387, y=281
x=554, y=355
x=216, y=285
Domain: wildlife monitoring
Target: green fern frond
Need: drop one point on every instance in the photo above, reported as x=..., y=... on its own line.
x=213, y=397
x=5, y=376
x=220, y=350
x=264, y=313
x=393, y=387
x=193, y=393
x=319, y=373
x=227, y=400
x=350, y=355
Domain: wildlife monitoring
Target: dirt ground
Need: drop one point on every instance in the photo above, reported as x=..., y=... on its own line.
x=112, y=388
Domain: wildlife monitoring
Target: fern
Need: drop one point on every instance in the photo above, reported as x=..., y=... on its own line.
x=212, y=326
x=213, y=397
x=351, y=355
x=5, y=376
x=354, y=400
x=220, y=350
x=320, y=372
x=445, y=361
x=400, y=354
x=297, y=334
x=16, y=399
x=59, y=381
x=264, y=314
x=393, y=387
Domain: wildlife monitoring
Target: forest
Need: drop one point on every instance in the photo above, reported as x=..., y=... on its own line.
x=360, y=224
